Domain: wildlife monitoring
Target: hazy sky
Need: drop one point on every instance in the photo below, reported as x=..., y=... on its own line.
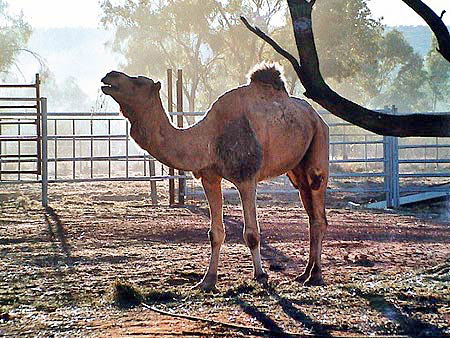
x=85, y=13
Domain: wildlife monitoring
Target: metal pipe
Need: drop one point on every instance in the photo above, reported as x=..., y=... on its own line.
x=44, y=167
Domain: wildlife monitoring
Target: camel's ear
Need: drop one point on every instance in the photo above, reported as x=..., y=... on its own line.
x=158, y=85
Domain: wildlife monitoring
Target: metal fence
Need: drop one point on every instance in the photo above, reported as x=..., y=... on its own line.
x=92, y=147
x=389, y=168
x=77, y=147
x=20, y=130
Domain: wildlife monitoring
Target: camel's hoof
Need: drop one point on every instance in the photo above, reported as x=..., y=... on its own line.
x=302, y=278
x=206, y=286
x=314, y=282
x=262, y=278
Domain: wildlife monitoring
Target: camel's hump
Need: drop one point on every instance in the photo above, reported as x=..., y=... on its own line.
x=270, y=74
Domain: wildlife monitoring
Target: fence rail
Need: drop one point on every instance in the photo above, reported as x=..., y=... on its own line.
x=96, y=147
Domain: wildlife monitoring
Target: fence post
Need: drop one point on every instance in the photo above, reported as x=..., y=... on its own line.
x=181, y=181
x=170, y=110
x=391, y=167
x=153, y=191
x=395, y=174
x=387, y=153
x=44, y=149
x=395, y=168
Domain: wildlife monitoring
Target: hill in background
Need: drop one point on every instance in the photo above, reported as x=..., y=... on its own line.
x=419, y=37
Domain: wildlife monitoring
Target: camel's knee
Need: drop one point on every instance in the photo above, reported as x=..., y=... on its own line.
x=316, y=178
x=322, y=225
x=251, y=239
x=318, y=230
x=216, y=236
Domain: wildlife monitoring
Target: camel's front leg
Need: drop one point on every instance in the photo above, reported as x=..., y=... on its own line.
x=213, y=191
x=252, y=236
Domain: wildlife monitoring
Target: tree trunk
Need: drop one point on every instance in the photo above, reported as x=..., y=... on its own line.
x=317, y=89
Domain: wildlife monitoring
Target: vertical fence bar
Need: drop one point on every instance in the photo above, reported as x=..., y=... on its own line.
x=395, y=168
x=127, y=130
x=38, y=122
x=365, y=152
x=145, y=164
x=1, y=149
x=344, y=144
x=109, y=148
x=387, y=154
x=153, y=191
x=170, y=110
x=19, y=150
x=395, y=174
x=73, y=149
x=44, y=165
x=181, y=181
x=92, y=146
x=437, y=153
x=392, y=171
x=56, y=148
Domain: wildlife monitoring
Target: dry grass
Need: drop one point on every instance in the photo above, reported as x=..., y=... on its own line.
x=64, y=270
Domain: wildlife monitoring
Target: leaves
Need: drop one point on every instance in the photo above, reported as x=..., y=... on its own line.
x=14, y=34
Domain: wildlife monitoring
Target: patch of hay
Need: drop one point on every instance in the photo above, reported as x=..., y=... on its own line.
x=155, y=296
x=245, y=287
x=124, y=294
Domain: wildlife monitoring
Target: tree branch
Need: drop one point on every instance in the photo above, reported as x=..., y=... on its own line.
x=435, y=23
x=275, y=46
x=316, y=88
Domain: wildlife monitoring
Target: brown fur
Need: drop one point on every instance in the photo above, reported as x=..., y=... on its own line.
x=250, y=134
x=239, y=151
x=268, y=74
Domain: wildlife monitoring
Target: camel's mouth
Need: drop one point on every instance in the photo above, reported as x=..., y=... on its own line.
x=109, y=88
x=111, y=85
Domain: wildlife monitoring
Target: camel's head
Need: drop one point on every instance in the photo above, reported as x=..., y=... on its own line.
x=131, y=93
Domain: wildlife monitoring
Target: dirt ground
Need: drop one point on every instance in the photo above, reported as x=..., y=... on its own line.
x=387, y=273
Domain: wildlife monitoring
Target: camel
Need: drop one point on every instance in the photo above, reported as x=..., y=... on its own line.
x=251, y=133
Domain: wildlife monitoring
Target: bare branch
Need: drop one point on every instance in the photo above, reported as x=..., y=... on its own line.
x=316, y=88
x=442, y=14
x=435, y=23
x=275, y=46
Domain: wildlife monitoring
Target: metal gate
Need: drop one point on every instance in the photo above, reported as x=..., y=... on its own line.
x=20, y=132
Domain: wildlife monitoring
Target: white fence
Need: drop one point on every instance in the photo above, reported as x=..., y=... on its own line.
x=88, y=147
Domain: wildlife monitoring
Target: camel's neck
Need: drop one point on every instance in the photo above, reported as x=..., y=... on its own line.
x=185, y=149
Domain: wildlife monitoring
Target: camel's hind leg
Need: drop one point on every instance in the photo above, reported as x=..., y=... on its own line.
x=216, y=233
x=311, y=178
x=252, y=237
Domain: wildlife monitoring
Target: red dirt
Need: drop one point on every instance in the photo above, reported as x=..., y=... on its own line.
x=57, y=266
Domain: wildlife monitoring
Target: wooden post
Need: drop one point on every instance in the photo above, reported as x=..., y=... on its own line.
x=170, y=109
x=181, y=181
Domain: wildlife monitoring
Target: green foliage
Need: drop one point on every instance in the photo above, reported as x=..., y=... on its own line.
x=438, y=70
x=205, y=39
x=154, y=36
x=351, y=43
x=400, y=77
x=362, y=59
x=14, y=34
